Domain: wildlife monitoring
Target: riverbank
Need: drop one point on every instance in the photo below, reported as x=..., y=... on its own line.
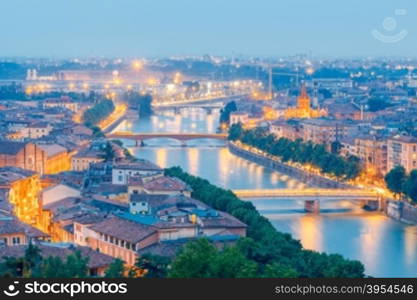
x=397, y=210
x=114, y=119
x=310, y=179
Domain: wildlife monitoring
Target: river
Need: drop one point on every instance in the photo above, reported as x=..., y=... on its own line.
x=386, y=247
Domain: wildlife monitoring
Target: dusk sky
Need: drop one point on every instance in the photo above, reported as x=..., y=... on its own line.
x=74, y=28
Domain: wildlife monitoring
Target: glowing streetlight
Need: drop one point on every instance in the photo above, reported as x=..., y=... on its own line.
x=137, y=65
x=309, y=71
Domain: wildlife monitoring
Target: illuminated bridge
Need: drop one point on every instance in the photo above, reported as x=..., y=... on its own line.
x=194, y=102
x=182, y=137
x=312, y=197
x=308, y=194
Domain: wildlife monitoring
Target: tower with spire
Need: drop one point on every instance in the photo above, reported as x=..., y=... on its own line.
x=303, y=110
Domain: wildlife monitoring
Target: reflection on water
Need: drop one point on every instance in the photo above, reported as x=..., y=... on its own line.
x=214, y=163
x=386, y=247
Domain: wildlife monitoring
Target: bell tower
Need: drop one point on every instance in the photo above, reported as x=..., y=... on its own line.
x=303, y=101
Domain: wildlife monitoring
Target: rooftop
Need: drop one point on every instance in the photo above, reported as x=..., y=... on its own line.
x=130, y=231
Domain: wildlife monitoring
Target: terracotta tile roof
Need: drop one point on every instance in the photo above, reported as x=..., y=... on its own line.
x=166, y=183
x=11, y=174
x=224, y=220
x=52, y=149
x=123, y=229
x=10, y=225
x=141, y=164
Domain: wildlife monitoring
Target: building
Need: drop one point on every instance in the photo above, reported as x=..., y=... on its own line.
x=23, y=187
x=284, y=129
x=372, y=151
x=325, y=131
x=238, y=117
x=402, y=151
x=122, y=171
x=65, y=102
x=22, y=155
x=345, y=111
x=165, y=218
x=36, y=130
x=14, y=232
x=57, y=192
x=84, y=158
x=57, y=158
x=160, y=185
x=303, y=109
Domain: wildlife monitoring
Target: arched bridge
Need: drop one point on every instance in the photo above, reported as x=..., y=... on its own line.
x=139, y=137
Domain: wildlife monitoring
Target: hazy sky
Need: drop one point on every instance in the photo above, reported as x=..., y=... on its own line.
x=173, y=27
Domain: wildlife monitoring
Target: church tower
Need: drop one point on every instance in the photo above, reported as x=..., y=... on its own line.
x=303, y=101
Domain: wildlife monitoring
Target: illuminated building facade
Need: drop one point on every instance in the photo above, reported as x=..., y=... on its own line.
x=23, y=188
x=57, y=158
x=303, y=109
x=402, y=151
x=22, y=155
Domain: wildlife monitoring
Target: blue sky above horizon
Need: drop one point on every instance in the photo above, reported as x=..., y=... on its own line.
x=134, y=28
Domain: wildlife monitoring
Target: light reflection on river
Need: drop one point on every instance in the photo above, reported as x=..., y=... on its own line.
x=386, y=247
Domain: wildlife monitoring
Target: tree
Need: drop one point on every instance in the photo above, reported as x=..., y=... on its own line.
x=155, y=266
x=143, y=103
x=410, y=186
x=108, y=152
x=98, y=112
x=231, y=263
x=395, y=180
x=31, y=262
x=54, y=267
x=76, y=265
x=116, y=269
x=235, y=132
x=225, y=112
x=276, y=270
x=194, y=261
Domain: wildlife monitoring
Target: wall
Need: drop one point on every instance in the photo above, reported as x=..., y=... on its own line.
x=402, y=211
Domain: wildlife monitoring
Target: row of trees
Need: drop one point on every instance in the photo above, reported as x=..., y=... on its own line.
x=298, y=151
x=265, y=252
x=33, y=265
x=225, y=112
x=143, y=103
x=98, y=112
x=402, y=184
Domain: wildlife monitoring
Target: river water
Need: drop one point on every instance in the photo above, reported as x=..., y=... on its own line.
x=386, y=247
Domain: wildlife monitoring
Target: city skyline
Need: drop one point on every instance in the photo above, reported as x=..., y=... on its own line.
x=158, y=28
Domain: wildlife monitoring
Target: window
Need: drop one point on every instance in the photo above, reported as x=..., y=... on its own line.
x=111, y=240
x=135, y=191
x=5, y=240
x=120, y=178
x=16, y=240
